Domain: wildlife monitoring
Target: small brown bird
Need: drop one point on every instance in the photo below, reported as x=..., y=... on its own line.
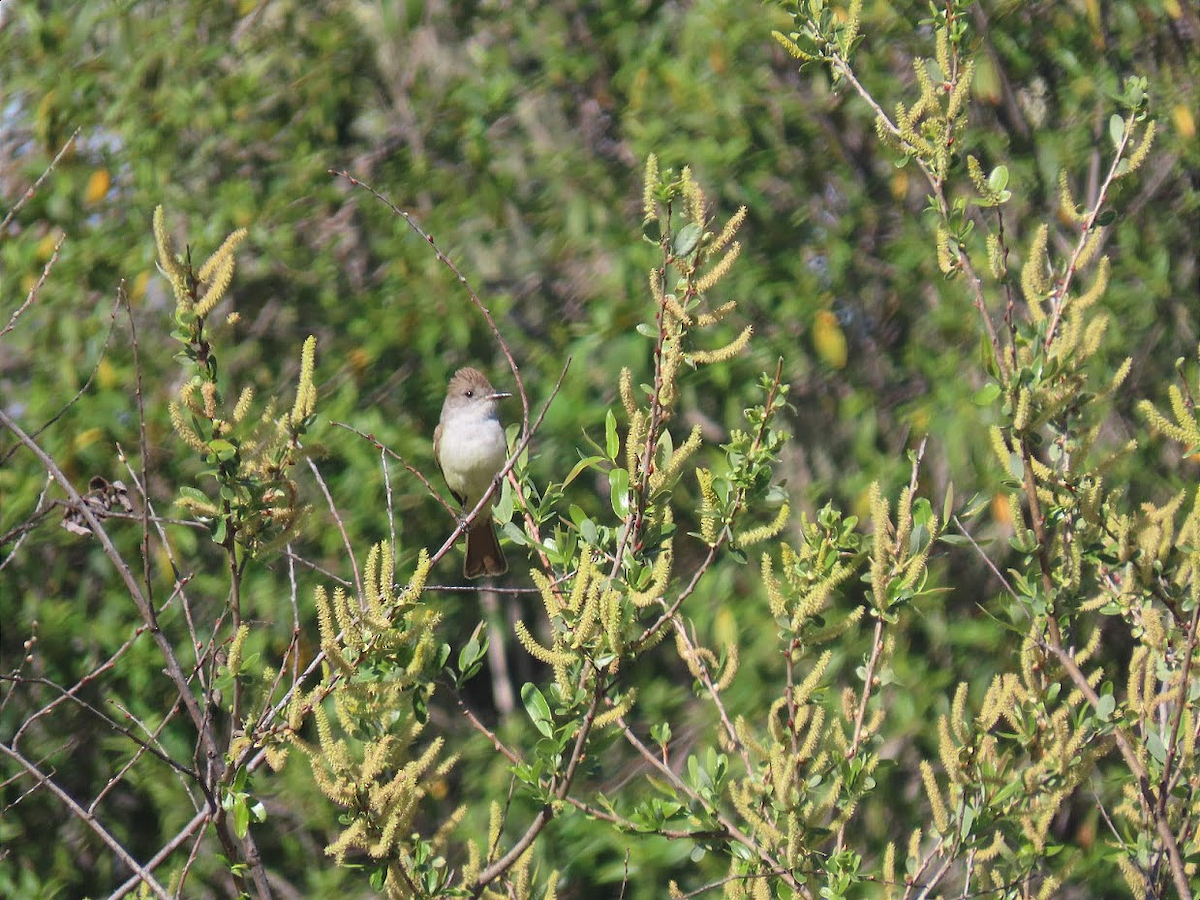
x=470, y=449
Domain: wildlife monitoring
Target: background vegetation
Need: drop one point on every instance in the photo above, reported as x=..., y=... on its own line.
x=517, y=136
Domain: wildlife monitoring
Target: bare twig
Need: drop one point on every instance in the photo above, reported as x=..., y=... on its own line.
x=337, y=518
x=144, y=875
x=37, y=286
x=33, y=189
x=731, y=829
x=448, y=263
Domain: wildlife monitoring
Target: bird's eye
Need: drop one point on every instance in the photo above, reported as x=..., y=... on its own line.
x=469, y=393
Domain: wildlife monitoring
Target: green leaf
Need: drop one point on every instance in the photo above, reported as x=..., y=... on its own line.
x=948, y=505
x=588, y=462
x=193, y=494
x=1156, y=748
x=612, y=441
x=986, y=395
x=687, y=239
x=223, y=449
x=241, y=818
x=998, y=179
x=538, y=709
x=1116, y=128
x=618, y=485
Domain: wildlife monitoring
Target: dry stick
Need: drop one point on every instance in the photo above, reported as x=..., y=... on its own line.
x=147, y=612
x=1054, y=643
x=112, y=321
x=41, y=509
x=207, y=737
x=181, y=581
x=729, y=879
x=987, y=561
x=706, y=680
x=513, y=758
x=144, y=875
x=412, y=470
x=1170, y=778
x=341, y=529
x=448, y=263
x=731, y=829
x=33, y=291
x=843, y=68
x=33, y=189
x=561, y=788
x=143, y=448
x=1059, y=297
x=198, y=822
x=387, y=493
x=143, y=747
x=292, y=556
x=66, y=695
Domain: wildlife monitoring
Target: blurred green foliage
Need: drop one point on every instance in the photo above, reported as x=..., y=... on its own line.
x=515, y=134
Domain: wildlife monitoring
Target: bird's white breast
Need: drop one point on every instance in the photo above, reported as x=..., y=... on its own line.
x=471, y=451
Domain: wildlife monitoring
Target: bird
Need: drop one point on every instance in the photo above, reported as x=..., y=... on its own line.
x=470, y=449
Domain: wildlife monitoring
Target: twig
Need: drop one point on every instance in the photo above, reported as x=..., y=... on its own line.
x=209, y=747
x=33, y=291
x=448, y=263
x=1059, y=297
x=561, y=788
x=337, y=518
x=31, y=192
x=730, y=827
x=112, y=320
x=197, y=823
x=986, y=559
x=144, y=875
x=412, y=470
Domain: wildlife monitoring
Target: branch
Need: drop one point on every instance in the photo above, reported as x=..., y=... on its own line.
x=143, y=874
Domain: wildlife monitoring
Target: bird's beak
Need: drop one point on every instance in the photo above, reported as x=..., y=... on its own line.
x=500, y=395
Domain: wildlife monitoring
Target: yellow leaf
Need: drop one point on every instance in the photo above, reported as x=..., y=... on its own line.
x=1185, y=122
x=1000, y=511
x=725, y=627
x=986, y=83
x=1174, y=10
x=45, y=247
x=87, y=437
x=97, y=187
x=137, y=290
x=359, y=360
x=919, y=418
x=829, y=339
x=106, y=375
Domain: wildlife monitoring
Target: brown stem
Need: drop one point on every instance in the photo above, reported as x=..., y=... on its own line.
x=143, y=874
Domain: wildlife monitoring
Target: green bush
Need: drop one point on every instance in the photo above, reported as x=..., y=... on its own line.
x=929, y=580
